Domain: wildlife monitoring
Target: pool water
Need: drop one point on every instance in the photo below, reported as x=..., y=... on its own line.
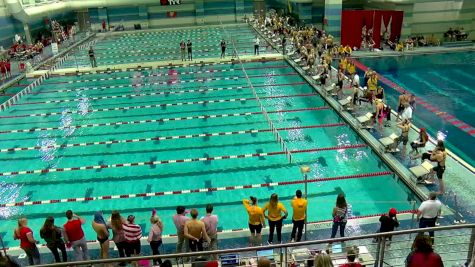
x=443, y=80
x=109, y=133
x=165, y=45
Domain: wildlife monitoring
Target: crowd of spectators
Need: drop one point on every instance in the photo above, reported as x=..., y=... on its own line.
x=195, y=234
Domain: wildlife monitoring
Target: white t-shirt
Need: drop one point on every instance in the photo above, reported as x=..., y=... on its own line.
x=257, y=41
x=430, y=209
x=356, y=80
x=407, y=113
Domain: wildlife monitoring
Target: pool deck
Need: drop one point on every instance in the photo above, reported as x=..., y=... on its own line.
x=157, y=64
x=458, y=177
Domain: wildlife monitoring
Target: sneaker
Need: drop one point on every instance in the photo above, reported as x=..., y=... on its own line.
x=269, y=243
x=292, y=240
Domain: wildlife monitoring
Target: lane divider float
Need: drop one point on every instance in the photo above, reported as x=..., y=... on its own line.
x=158, y=120
x=200, y=190
x=162, y=138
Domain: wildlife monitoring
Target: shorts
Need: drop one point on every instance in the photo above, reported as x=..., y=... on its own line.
x=403, y=139
x=102, y=240
x=255, y=229
x=439, y=170
x=132, y=248
x=340, y=84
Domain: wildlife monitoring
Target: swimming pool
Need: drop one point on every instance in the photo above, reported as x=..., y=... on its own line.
x=445, y=82
x=123, y=129
x=165, y=45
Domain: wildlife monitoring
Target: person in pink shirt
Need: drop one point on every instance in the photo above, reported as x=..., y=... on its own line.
x=211, y=226
x=179, y=219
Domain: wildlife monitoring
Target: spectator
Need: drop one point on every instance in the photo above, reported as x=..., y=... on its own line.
x=116, y=225
x=263, y=262
x=155, y=236
x=274, y=216
x=103, y=25
x=100, y=227
x=92, y=57
x=3, y=69
x=166, y=263
x=74, y=236
x=189, y=46
x=428, y=212
x=195, y=231
x=388, y=222
x=182, y=50
x=256, y=45
x=340, y=215
x=299, y=206
x=179, y=219
x=351, y=255
x=223, y=48
x=27, y=241
x=132, y=233
x=52, y=234
x=256, y=221
x=323, y=260
x=423, y=254
x=211, y=226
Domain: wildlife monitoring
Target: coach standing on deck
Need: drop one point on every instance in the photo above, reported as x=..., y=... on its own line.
x=428, y=212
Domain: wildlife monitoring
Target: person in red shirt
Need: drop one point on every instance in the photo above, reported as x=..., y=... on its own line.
x=74, y=236
x=8, y=67
x=103, y=25
x=351, y=257
x=423, y=254
x=27, y=242
x=3, y=69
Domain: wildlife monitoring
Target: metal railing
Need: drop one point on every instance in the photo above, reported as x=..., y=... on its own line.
x=457, y=247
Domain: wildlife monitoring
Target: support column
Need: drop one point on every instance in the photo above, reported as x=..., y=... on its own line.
x=199, y=12
x=26, y=28
x=332, y=18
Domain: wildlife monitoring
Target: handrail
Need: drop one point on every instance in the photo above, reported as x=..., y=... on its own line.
x=279, y=246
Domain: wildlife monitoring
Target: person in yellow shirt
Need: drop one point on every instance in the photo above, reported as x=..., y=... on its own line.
x=256, y=220
x=351, y=68
x=299, y=205
x=275, y=209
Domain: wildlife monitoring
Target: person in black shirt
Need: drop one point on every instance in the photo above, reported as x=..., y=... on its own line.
x=92, y=57
x=189, y=46
x=388, y=222
x=223, y=48
x=284, y=41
